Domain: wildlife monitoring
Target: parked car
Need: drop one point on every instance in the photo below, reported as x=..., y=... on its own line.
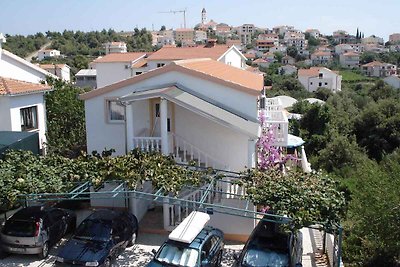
x=191, y=244
x=33, y=230
x=270, y=244
x=99, y=239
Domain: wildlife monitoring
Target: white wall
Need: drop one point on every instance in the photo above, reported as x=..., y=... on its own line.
x=5, y=116
x=23, y=101
x=393, y=81
x=220, y=142
x=109, y=73
x=102, y=134
x=232, y=58
x=107, y=199
x=11, y=68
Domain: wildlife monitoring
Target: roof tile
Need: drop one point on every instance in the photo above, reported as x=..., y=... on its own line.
x=14, y=87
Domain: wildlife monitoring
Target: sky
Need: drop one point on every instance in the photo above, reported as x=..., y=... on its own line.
x=380, y=17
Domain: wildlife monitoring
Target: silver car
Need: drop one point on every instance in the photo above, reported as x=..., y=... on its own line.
x=33, y=230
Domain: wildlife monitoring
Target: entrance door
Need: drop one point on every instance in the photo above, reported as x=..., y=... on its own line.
x=155, y=130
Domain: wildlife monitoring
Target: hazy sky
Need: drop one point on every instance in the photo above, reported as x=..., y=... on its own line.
x=380, y=17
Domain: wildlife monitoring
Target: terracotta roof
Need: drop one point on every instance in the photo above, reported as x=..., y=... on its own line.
x=373, y=64
x=249, y=56
x=177, y=53
x=184, y=30
x=313, y=71
x=322, y=53
x=205, y=68
x=14, y=87
x=260, y=60
x=140, y=64
x=120, y=57
x=224, y=72
x=351, y=53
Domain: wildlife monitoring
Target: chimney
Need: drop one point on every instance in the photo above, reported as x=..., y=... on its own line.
x=2, y=40
x=211, y=42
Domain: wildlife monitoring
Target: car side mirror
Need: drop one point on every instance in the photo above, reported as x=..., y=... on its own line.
x=154, y=251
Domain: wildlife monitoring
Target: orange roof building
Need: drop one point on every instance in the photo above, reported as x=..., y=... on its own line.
x=10, y=86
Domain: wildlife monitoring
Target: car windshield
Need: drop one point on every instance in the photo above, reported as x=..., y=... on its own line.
x=96, y=230
x=20, y=228
x=265, y=258
x=178, y=256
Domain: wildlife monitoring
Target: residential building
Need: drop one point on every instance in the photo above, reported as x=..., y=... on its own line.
x=317, y=77
x=375, y=48
x=393, y=80
x=236, y=43
x=166, y=38
x=62, y=71
x=394, y=48
x=358, y=48
x=181, y=35
x=86, y=78
x=281, y=30
x=323, y=41
x=379, y=69
x=350, y=60
x=223, y=30
x=325, y=48
x=343, y=37
x=206, y=105
x=261, y=63
x=287, y=70
x=372, y=40
x=394, y=38
x=288, y=60
x=200, y=36
x=296, y=39
x=48, y=53
x=246, y=32
x=266, y=41
x=279, y=48
x=321, y=58
x=269, y=56
x=115, y=47
x=343, y=48
x=22, y=107
x=228, y=55
x=314, y=33
x=116, y=67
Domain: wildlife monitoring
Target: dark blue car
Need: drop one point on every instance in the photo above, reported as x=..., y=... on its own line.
x=99, y=239
x=270, y=245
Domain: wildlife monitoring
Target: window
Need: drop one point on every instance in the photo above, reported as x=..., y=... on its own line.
x=29, y=120
x=326, y=83
x=157, y=110
x=116, y=112
x=160, y=65
x=321, y=75
x=138, y=72
x=320, y=84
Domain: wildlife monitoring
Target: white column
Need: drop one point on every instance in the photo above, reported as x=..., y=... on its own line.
x=164, y=127
x=252, y=153
x=129, y=127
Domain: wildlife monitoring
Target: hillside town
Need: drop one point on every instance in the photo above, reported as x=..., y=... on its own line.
x=205, y=145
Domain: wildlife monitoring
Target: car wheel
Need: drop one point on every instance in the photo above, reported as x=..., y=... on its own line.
x=219, y=259
x=45, y=251
x=107, y=263
x=132, y=241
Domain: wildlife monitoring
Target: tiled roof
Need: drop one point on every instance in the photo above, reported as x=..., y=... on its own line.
x=260, y=60
x=373, y=64
x=224, y=72
x=249, y=56
x=351, y=53
x=86, y=72
x=120, y=57
x=177, y=53
x=184, y=30
x=14, y=87
x=321, y=53
x=140, y=64
x=314, y=71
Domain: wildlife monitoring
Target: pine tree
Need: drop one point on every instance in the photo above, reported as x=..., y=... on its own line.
x=357, y=34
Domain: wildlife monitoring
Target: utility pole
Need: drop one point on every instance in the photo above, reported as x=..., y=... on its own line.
x=178, y=11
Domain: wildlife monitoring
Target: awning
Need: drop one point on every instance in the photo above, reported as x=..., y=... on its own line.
x=201, y=105
x=294, y=141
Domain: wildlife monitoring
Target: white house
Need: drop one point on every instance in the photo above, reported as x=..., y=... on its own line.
x=115, y=67
x=22, y=107
x=296, y=39
x=48, y=53
x=350, y=60
x=321, y=57
x=200, y=108
x=228, y=55
x=115, y=47
x=379, y=69
x=287, y=70
x=316, y=77
x=266, y=41
x=62, y=71
x=343, y=48
x=279, y=48
x=200, y=36
x=86, y=78
x=314, y=33
x=393, y=80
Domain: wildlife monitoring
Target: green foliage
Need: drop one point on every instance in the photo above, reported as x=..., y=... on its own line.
x=24, y=45
x=292, y=51
x=21, y=172
x=353, y=76
x=66, y=132
x=372, y=235
x=304, y=197
x=368, y=57
x=323, y=93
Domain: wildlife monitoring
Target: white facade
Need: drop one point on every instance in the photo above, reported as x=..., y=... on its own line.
x=115, y=47
x=372, y=40
x=10, y=113
x=393, y=80
x=320, y=77
x=245, y=32
x=200, y=36
x=48, y=53
x=314, y=33
x=62, y=71
x=349, y=60
x=296, y=39
x=287, y=70
x=343, y=48
x=208, y=135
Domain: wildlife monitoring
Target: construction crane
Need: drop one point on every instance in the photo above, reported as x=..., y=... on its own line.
x=178, y=11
